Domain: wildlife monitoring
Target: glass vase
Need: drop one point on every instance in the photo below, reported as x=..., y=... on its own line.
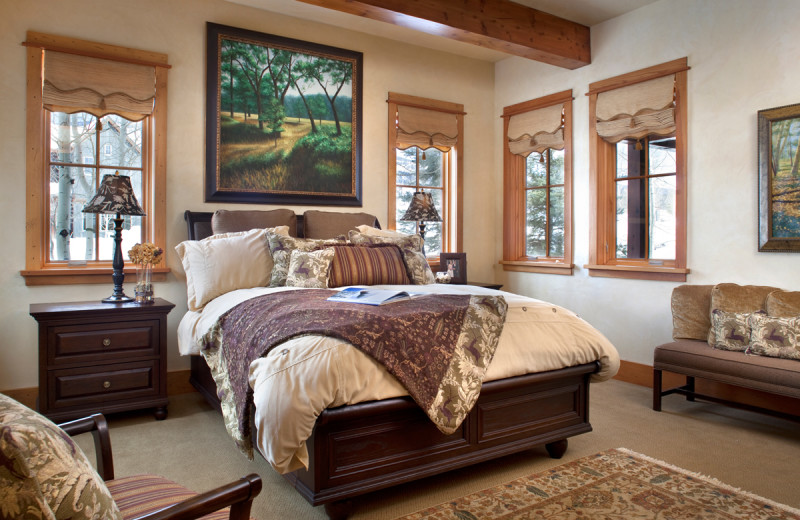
x=144, y=288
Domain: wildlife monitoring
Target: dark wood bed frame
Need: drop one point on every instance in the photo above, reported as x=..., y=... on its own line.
x=365, y=447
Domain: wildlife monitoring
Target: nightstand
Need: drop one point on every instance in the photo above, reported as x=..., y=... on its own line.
x=102, y=357
x=488, y=285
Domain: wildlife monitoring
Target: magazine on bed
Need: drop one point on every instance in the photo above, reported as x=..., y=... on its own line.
x=369, y=296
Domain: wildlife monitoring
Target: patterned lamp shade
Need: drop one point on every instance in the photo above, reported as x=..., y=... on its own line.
x=115, y=195
x=422, y=208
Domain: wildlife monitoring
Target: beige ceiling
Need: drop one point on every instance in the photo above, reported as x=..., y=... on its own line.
x=586, y=12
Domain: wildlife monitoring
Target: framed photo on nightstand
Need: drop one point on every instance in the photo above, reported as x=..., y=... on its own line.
x=456, y=265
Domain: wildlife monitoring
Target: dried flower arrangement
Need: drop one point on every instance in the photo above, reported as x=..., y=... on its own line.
x=145, y=256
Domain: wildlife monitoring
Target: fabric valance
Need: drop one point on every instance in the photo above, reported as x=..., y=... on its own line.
x=637, y=110
x=536, y=130
x=426, y=128
x=75, y=83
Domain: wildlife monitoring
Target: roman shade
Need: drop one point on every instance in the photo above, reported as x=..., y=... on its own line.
x=426, y=128
x=77, y=83
x=637, y=110
x=536, y=130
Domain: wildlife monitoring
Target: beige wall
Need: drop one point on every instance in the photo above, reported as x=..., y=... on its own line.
x=743, y=58
x=177, y=27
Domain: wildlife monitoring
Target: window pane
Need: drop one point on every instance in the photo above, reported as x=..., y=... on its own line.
x=556, y=224
x=70, y=190
x=430, y=168
x=433, y=230
x=536, y=222
x=536, y=171
x=630, y=161
x=556, y=166
x=631, y=221
x=121, y=142
x=662, y=156
x=662, y=217
x=407, y=167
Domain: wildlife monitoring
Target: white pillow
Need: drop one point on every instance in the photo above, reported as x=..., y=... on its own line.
x=375, y=232
x=226, y=262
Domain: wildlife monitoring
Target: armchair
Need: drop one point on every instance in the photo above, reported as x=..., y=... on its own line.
x=45, y=470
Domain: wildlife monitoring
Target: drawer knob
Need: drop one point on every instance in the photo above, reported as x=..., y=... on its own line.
x=106, y=342
x=106, y=384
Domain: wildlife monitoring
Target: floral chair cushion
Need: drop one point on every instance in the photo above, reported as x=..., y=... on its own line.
x=43, y=473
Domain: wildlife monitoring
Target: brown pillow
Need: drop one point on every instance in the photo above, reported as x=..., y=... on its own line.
x=731, y=297
x=367, y=265
x=329, y=224
x=226, y=221
x=691, y=305
x=783, y=304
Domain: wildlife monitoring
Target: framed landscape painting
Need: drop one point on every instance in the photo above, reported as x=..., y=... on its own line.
x=283, y=120
x=779, y=179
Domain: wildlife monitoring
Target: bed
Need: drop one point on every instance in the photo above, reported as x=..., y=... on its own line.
x=374, y=443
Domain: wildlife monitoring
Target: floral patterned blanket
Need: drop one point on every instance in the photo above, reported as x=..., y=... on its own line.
x=438, y=346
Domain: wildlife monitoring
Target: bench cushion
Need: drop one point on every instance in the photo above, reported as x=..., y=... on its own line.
x=697, y=359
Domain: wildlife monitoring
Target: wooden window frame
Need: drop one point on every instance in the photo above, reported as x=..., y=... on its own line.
x=453, y=199
x=39, y=270
x=602, y=235
x=515, y=256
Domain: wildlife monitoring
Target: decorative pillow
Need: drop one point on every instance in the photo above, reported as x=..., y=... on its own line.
x=784, y=304
x=775, y=337
x=309, y=269
x=690, y=306
x=233, y=221
x=281, y=248
x=375, y=232
x=730, y=297
x=731, y=330
x=417, y=268
x=223, y=263
x=328, y=224
x=367, y=265
x=43, y=473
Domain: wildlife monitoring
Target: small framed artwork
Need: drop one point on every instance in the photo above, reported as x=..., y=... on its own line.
x=778, y=179
x=454, y=264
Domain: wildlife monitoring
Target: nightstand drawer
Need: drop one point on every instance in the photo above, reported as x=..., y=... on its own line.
x=82, y=386
x=101, y=342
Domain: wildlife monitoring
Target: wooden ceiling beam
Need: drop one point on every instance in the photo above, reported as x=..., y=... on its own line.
x=500, y=25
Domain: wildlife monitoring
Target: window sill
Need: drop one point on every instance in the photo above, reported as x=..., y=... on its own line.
x=531, y=266
x=639, y=272
x=83, y=275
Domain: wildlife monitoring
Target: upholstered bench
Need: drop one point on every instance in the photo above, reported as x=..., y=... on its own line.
x=749, y=366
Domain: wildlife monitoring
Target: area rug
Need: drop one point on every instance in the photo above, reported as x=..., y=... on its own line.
x=614, y=484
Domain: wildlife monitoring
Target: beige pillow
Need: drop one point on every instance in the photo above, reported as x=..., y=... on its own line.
x=234, y=221
x=730, y=297
x=281, y=248
x=783, y=304
x=690, y=311
x=309, y=269
x=375, y=232
x=330, y=224
x=226, y=262
x=43, y=473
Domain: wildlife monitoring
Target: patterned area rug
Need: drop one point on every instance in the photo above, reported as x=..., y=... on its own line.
x=615, y=484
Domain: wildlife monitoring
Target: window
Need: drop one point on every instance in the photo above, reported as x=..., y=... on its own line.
x=537, y=206
x=93, y=109
x=638, y=179
x=426, y=144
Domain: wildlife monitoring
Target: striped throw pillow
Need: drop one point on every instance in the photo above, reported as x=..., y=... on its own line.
x=367, y=265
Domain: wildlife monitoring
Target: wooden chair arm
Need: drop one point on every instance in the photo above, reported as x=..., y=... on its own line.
x=96, y=424
x=238, y=494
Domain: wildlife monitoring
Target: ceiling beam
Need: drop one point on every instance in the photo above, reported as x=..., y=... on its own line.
x=500, y=25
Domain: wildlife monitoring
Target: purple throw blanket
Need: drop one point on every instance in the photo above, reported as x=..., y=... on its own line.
x=436, y=346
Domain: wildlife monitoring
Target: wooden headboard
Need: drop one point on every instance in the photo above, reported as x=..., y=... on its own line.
x=198, y=224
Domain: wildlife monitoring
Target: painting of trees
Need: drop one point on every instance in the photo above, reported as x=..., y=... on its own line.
x=287, y=125
x=785, y=177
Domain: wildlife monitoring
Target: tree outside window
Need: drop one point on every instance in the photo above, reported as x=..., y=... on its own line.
x=421, y=170
x=544, y=198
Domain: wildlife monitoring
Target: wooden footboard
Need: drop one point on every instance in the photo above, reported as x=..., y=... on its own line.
x=360, y=448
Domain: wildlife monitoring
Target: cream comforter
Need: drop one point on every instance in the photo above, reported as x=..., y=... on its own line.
x=296, y=381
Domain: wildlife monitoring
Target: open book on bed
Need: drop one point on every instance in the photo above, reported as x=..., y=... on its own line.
x=368, y=296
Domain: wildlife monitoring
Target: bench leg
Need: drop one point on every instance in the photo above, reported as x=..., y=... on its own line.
x=657, y=390
x=690, y=387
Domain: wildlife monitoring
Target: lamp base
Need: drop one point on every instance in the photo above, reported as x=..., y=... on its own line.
x=116, y=298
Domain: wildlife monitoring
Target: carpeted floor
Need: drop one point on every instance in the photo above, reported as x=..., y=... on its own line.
x=749, y=451
x=616, y=483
